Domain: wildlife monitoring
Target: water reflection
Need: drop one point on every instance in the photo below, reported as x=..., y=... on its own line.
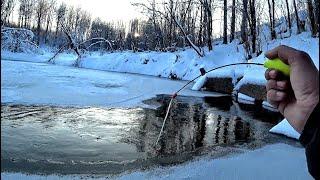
x=103, y=141
x=193, y=124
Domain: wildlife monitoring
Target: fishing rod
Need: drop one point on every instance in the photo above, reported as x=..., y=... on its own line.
x=270, y=64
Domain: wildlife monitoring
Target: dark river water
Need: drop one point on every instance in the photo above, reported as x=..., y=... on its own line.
x=95, y=140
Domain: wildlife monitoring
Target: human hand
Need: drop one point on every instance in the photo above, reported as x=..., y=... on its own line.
x=297, y=96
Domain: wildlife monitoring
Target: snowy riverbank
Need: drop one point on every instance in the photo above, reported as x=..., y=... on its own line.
x=183, y=65
x=277, y=161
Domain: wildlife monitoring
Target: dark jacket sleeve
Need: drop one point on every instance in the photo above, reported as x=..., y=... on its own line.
x=310, y=139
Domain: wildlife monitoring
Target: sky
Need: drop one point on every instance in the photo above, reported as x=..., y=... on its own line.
x=108, y=10
x=123, y=10
x=115, y=10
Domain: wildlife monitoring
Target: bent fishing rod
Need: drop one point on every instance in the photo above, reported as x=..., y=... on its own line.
x=270, y=64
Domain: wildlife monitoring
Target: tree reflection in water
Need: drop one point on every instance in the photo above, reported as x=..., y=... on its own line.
x=193, y=124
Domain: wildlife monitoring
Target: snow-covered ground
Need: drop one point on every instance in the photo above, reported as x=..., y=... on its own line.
x=184, y=65
x=277, y=161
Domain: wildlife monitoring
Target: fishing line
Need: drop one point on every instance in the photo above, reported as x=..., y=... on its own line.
x=176, y=93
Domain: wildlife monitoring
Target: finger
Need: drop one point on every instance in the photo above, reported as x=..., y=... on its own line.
x=275, y=95
x=278, y=85
x=283, y=85
x=271, y=84
x=266, y=74
x=283, y=52
x=281, y=106
x=273, y=74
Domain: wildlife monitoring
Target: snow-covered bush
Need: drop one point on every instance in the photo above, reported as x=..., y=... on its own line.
x=18, y=40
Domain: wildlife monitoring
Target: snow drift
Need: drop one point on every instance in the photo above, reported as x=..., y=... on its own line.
x=18, y=40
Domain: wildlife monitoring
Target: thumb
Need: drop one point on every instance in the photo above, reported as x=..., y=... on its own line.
x=282, y=52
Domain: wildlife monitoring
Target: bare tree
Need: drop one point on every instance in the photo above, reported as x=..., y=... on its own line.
x=170, y=16
x=49, y=18
x=233, y=20
x=272, y=19
x=26, y=9
x=200, y=33
x=41, y=10
x=297, y=17
x=253, y=26
x=60, y=17
x=311, y=18
x=245, y=19
x=207, y=6
x=6, y=10
x=316, y=5
x=83, y=25
x=288, y=15
x=71, y=44
x=70, y=19
x=225, y=22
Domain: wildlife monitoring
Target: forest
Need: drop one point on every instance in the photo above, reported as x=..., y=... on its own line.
x=168, y=25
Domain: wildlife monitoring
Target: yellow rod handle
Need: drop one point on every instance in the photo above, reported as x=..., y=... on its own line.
x=278, y=65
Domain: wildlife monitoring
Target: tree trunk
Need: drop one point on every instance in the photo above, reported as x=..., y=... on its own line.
x=244, y=37
x=253, y=25
x=288, y=14
x=233, y=20
x=225, y=23
x=271, y=18
x=25, y=21
x=200, y=28
x=209, y=24
x=297, y=17
x=47, y=28
x=274, y=35
x=311, y=18
x=317, y=4
x=38, y=28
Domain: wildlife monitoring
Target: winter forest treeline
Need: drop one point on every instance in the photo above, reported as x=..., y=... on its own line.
x=169, y=24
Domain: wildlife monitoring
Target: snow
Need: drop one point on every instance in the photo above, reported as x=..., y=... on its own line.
x=20, y=176
x=185, y=64
x=38, y=83
x=286, y=129
x=18, y=40
x=268, y=106
x=242, y=98
x=276, y=161
x=269, y=162
x=200, y=83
